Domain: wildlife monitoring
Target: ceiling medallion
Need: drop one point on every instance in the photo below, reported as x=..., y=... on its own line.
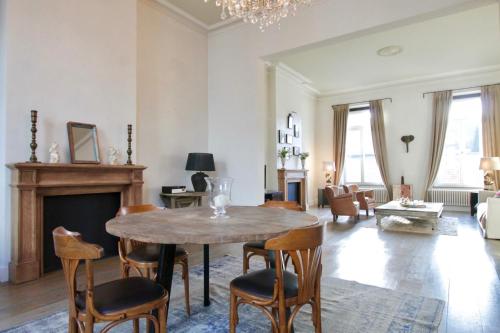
x=262, y=12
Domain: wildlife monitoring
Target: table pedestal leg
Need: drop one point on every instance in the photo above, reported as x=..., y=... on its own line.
x=206, y=275
x=379, y=219
x=165, y=272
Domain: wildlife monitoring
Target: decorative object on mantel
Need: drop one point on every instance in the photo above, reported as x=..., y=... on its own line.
x=283, y=154
x=329, y=169
x=303, y=157
x=263, y=12
x=113, y=156
x=33, y=145
x=489, y=164
x=200, y=162
x=54, y=153
x=83, y=143
x=219, y=195
x=129, y=140
x=407, y=139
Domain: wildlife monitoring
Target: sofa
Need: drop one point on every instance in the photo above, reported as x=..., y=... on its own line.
x=488, y=214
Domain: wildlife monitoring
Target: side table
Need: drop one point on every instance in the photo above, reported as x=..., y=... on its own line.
x=180, y=200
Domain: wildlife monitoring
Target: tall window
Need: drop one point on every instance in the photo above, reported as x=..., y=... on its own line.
x=463, y=144
x=360, y=165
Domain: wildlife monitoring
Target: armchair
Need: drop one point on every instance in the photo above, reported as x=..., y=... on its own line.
x=342, y=204
x=366, y=198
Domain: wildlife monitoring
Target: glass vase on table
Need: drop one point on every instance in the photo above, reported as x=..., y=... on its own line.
x=219, y=195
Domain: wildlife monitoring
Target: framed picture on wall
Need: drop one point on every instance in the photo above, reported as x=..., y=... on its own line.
x=289, y=139
x=290, y=121
x=296, y=131
x=296, y=151
x=281, y=136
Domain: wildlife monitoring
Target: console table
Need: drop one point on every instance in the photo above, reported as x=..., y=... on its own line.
x=180, y=200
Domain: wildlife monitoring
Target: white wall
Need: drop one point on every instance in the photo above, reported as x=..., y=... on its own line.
x=409, y=113
x=237, y=77
x=4, y=230
x=290, y=95
x=171, y=96
x=71, y=61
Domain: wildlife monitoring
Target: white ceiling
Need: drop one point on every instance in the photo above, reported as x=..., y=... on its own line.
x=207, y=13
x=458, y=42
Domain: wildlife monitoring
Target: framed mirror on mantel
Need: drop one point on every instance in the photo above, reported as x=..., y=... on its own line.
x=83, y=143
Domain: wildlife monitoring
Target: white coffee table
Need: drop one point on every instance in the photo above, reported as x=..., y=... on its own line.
x=431, y=212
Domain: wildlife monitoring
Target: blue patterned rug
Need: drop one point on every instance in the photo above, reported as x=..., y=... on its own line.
x=347, y=307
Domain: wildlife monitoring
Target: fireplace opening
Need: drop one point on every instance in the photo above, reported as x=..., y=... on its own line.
x=294, y=191
x=84, y=213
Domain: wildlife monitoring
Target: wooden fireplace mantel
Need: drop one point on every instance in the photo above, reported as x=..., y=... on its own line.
x=286, y=176
x=30, y=182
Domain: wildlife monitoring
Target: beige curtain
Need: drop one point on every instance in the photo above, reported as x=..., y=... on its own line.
x=340, y=114
x=441, y=102
x=490, y=98
x=379, y=144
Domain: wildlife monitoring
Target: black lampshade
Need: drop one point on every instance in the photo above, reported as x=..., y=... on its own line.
x=200, y=162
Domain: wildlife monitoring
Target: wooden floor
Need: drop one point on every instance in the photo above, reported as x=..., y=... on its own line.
x=462, y=270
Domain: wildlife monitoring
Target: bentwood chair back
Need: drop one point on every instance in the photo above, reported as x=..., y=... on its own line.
x=143, y=258
x=116, y=301
x=280, y=289
x=252, y=249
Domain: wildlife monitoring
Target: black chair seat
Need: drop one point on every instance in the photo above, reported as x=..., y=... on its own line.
x=261, y=283
x=118, y=295
x=257, y=245
x=151, y=253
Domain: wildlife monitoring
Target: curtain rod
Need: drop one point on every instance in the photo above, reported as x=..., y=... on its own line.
x=475, y=87
x=378, y=99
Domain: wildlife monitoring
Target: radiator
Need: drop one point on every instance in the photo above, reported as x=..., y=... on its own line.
x=380, y=194
x=450, y=197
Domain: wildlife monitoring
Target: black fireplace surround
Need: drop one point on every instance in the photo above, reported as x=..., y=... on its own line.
x=86, y=214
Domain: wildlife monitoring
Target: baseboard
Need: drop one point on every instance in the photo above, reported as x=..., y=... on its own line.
x=456, y=209
x=4, y=273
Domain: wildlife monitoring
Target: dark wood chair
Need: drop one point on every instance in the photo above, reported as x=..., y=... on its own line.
x=116, y=301
x=275, y=291
x=251, y=249
x=143, y=258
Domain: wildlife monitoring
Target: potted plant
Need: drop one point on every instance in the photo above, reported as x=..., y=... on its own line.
x=303, y=157
x=283, y=154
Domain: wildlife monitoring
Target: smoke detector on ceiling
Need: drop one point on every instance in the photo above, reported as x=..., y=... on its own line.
x=390, y=51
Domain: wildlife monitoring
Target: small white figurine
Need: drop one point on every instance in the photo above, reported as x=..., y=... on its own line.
x=113, y=156
x=54, y=153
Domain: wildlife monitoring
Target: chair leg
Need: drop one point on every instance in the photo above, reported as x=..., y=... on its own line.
x=136, y=325
x=72, y=325
x=367, y=214
x=185, y=277
x=245, y=261
x=268, y=264
x=89, y=324
x=162, y=318
x=233, y=313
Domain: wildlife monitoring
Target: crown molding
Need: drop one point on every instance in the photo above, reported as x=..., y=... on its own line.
x=295, y=76
x=201, y=24
x=412, y=81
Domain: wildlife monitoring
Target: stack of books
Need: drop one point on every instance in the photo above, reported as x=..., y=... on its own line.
x=173, y=189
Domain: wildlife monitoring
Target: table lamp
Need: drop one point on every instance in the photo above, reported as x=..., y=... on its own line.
x=329, y=168
x=489, y=164
x=200, y=162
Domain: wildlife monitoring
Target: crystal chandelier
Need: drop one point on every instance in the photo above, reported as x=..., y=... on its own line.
x=263, y=12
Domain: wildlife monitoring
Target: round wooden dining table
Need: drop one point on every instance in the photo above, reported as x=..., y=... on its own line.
x=171, y=227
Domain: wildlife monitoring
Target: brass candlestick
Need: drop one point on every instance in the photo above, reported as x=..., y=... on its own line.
x=129, y=150
x=33, y=145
